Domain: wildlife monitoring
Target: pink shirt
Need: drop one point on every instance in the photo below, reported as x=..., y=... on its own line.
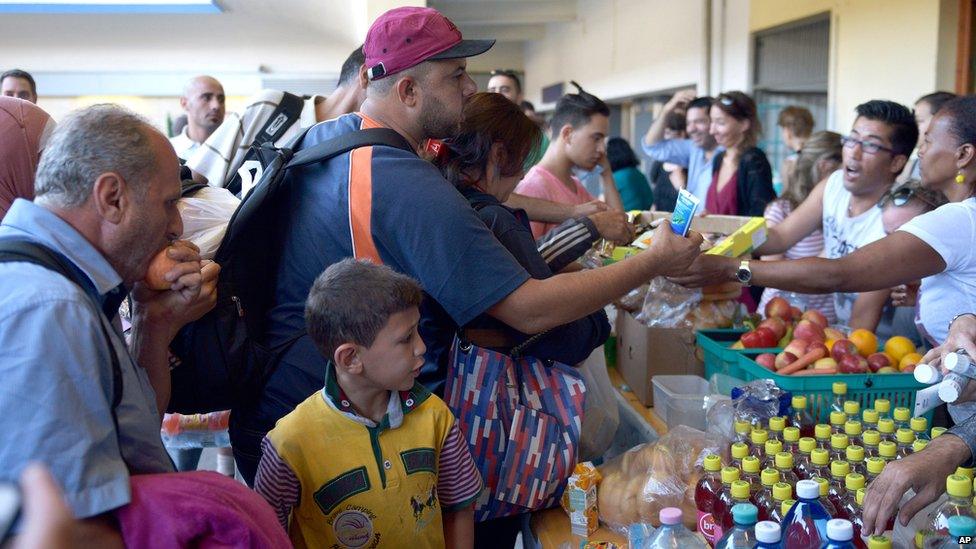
x=541, y=183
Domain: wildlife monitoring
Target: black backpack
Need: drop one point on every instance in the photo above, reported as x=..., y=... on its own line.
x=223, y=357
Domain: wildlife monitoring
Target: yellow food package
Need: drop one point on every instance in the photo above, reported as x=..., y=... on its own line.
x=580, y=499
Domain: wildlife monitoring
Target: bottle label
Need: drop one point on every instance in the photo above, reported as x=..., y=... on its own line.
x=708, y=528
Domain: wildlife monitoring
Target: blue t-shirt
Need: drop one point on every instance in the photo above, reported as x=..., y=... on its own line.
x=421, y=226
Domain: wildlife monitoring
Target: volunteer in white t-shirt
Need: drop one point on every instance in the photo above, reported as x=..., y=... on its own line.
x=844, y=206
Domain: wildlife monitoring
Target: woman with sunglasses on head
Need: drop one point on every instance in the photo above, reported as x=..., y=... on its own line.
x=742, y=180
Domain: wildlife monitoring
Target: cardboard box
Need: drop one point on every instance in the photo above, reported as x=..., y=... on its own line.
x=644, y=352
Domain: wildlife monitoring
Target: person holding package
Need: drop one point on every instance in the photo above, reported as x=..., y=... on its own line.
x=404, y=474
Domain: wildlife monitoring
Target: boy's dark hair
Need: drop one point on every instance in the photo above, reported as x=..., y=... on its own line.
x=527, y=106
x=704, y=102
x=17, y=73
x=352, y=300
x=620, y=154
x=576, y=109
x=936, y=100
x=904, y=131
x=350, y=68
x=509, y=74
x=676, y=121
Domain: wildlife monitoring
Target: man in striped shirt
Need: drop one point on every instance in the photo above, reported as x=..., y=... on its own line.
x=373, y=457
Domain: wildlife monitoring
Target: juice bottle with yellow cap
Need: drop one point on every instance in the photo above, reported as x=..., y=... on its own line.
x=879, y=542
x=739, y=450
x=903, y=442
x=852, y=409
x=757, y=443
x=802, y=463
x=855, y=456
x=822, y=432
x=869, y=418
x=966, y=472
x=776, y=426
x=883, y=407
x=837, y=420
x=784, y=508
x=801, y=418
x=920, y=426
x=820, y=463
x=706, y=495
x=936, y=431
x=742, y=430
x=784, y=464
x=838, y=446
x=750, y=473
x=839, y=390
x=764, y=499
x=739, y=491
x=871, y=439
x=959, y=503
x=886, y=426
x=723, y=504
x=791, y=440
x=837, y=489
x=824, y=486
x=853, y=431
x=848, y=504
x=773, y=447
x=781, y=492
x=875, y=465
x=919, y=445
x=902, y=417
x=887, y=450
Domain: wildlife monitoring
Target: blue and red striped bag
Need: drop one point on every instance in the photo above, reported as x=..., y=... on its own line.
x=521, y=418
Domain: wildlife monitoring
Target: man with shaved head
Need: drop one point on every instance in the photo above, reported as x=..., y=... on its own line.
x=203, y=101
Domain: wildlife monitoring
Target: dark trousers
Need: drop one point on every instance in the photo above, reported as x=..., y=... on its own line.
x=499, y=533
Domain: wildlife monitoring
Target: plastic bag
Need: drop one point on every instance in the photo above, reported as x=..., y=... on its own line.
x=759, y=400
x=634, y=299
x=668, y=305
x=601, y=417
x=205, y=218
x=649, y=477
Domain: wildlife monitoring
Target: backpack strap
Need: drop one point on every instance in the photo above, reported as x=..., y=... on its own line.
x=288, y=111
x=32, y=252
x=347, y=142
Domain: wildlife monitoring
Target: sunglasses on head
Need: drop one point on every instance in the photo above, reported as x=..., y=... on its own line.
x=900, y=196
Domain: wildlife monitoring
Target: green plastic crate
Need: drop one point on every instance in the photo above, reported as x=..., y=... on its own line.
x=900, y=389
x=718, y=357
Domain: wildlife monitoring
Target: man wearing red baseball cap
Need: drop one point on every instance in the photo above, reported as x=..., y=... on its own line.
x=388, y=205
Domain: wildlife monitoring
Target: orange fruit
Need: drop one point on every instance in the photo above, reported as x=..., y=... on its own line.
x=909, y=360
x=865, y=341
x=898, y=347
x=830, y=344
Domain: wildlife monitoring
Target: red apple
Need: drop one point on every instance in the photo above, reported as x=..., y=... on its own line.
x=825, y=363
x=796, y=313
x=767, y=360
x=843, y=347
x=878, y=361
x=784, y=359
x=832, y=334
x=816, y=317
x=760, y=337
x=818, y=345
x=908, y=369
x=852, y=364
x=808, y=330
x=778, y=308
x=797, y=347
x=776, y=324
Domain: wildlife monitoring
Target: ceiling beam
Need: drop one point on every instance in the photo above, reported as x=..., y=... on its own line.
x=501, y=12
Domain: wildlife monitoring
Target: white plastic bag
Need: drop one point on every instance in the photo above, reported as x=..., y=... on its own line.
x=205, y=218
x=600, y=414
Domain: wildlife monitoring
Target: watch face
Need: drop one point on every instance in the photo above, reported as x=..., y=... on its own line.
x=744, y=275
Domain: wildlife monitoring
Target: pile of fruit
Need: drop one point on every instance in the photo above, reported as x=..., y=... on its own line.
x=811, y=347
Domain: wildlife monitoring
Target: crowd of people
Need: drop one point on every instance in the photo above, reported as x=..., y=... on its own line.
x=395, y=261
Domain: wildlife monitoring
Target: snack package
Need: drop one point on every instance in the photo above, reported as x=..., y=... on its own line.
x=580, y=499
x=649, y=477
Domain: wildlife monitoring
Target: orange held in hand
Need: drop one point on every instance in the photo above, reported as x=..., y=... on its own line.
x=159, y=266
x=865, y=341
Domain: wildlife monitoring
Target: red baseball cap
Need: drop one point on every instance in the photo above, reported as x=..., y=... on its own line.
x=405, y=37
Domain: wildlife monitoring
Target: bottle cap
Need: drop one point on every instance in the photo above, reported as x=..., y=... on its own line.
x=886, y=426
x=750, y=464
x=852, y=428
x=955, y=362
x=840, y=530
x=820, y=456
x=919, y=424
x=807, y=445
x=882, y=405
x=875, y=465
x=799, y=402
x=855, y=453
x=807, y=489
x=670, y=515
x=823, y=484
x=773, y=447
x=712, y=463
x=839, y=388
x=839, y=441
x=852, y=407
x=769, y=477
x=767, y=531
x=879, y=542
x=905, y=436
x=870, y=415
x=784, y=460
x=821, y=431
x=791, y=434
x=730, y=475
x=859, y=496
x=837, y=418
x=949, y=391
x=854, y=481
x=744, y=513
x=887, y=449
x=965, y=471
x=936, y=431
x=870, y=437
x=777, y=423
x=902, y=414
x=961, y=525
x=759, y=436
x=782, y=491
x=742, y=427
x=740, y=489
x=739, y=450
x=839, y=468
x=919, y=445
x=927, y=374
x=959, y=486
x=786, y=506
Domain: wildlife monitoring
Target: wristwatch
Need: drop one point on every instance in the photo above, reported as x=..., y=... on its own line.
x=744, y=274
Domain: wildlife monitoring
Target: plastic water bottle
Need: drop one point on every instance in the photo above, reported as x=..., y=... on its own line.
x=855, y=456
x=902, y=417
x=959, y=527
x=883, y=407
x=839, y=389
x=742, y=430
x=904, y=438
x=853, y=430
x=672, y=534
x=840, y=534
x=805, y=525
x=870, y=417
x=776, y=426
x=852, y=409
x=871, y=439
x=743, y=534
x=821, y=433
x=886, y=426
x=920, y=426
x=837, y=420
x=768, y=535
